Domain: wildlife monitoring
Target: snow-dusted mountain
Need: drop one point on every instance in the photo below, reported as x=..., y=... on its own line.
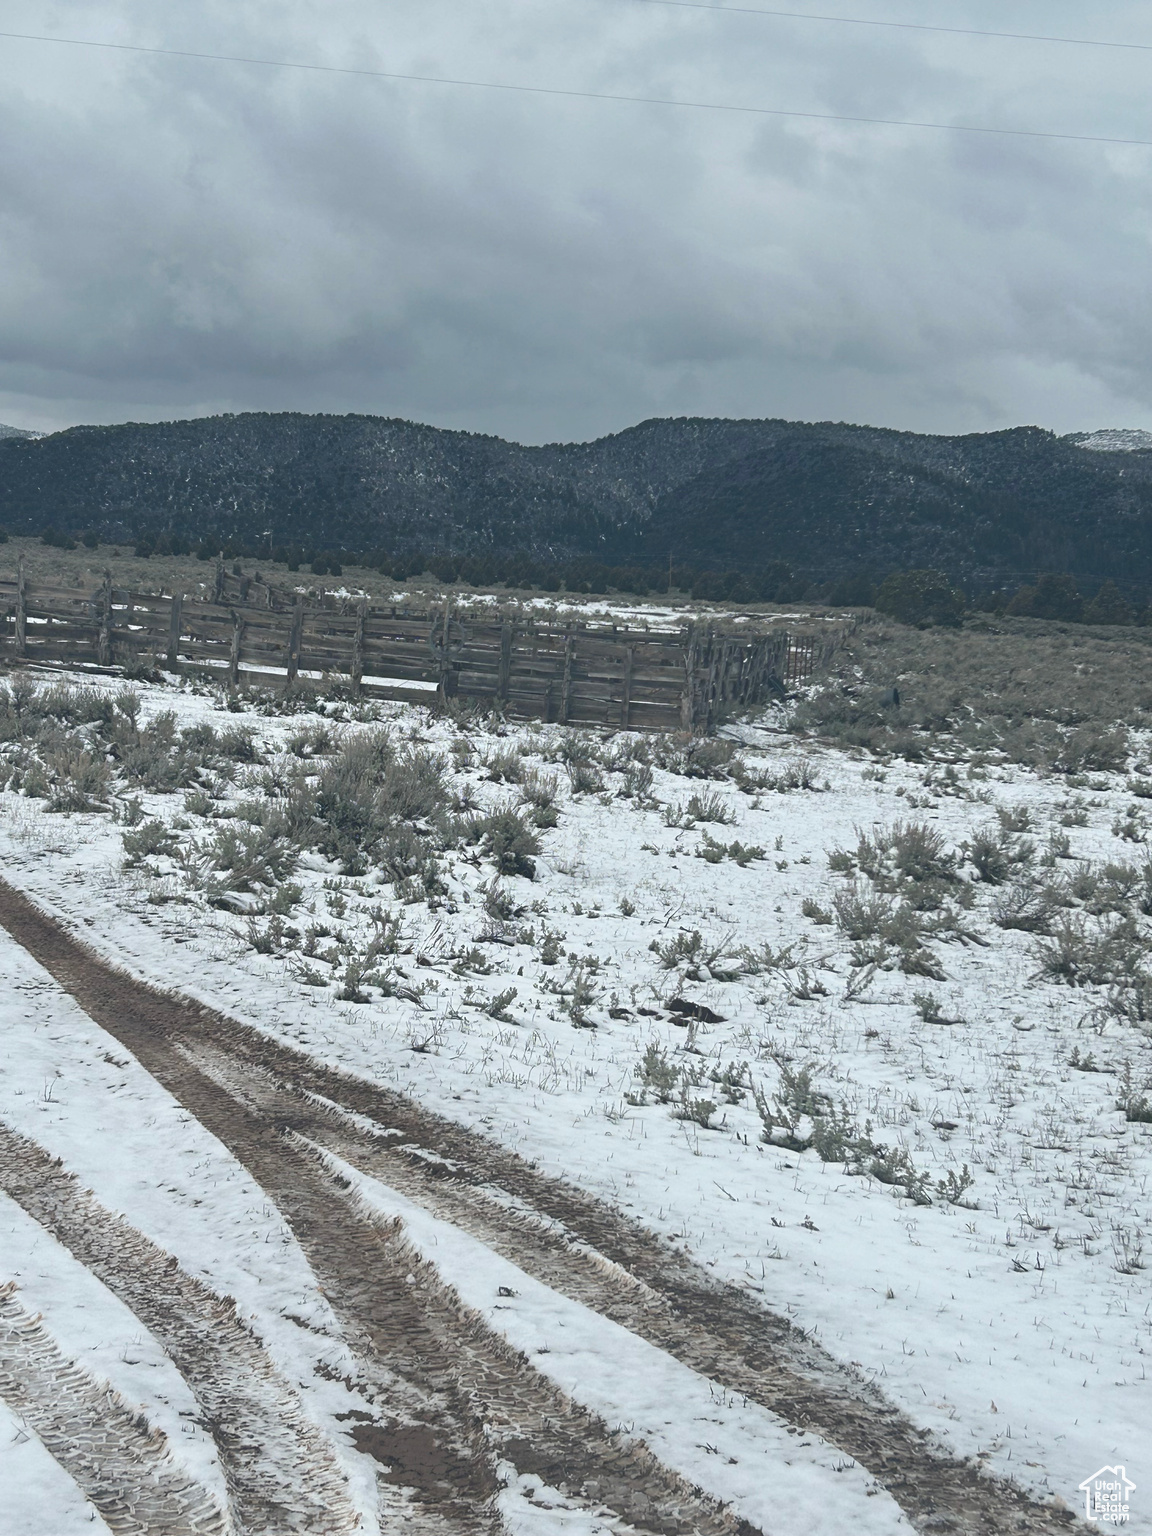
x=825, y=499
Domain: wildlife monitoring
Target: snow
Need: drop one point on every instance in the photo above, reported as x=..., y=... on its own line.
x=667, y=616
x=1115, y=440
x=1007, y=1330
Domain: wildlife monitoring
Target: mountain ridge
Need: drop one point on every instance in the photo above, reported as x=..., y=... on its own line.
x=828, y=498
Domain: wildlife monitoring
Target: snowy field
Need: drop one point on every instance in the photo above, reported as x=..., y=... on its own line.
x=712, y=990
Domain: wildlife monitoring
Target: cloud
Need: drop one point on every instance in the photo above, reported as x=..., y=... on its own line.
x=179, y=236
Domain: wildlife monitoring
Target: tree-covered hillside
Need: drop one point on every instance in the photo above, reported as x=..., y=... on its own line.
x=828, y=499
x=987, y=507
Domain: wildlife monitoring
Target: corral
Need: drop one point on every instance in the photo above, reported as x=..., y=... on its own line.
x=595, y=672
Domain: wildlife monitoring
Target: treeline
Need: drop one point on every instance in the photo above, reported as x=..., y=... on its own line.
x=928, y=597
x=914, y=597
x=775, y=583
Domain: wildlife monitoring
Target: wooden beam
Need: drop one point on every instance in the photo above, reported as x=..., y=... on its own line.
x=443, y=685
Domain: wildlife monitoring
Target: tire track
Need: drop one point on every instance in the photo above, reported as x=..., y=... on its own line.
x=578, y=1244
x=657, y=1295
x=528, y=1420
x=120, y=1462
x=472, y=1399
x=281, y=1472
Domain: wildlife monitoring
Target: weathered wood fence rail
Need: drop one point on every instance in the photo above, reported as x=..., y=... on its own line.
x=591, y=672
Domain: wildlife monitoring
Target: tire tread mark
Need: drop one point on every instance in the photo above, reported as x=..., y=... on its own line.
x=281, y=1472
x=120, y=1462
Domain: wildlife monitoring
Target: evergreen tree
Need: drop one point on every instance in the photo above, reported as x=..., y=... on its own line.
x=921, y=598
x=1109, y=606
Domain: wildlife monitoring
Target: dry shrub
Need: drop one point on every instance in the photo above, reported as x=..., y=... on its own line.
x=1040, y=693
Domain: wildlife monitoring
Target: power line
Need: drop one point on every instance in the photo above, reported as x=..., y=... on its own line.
x=902, y=26
x=552, y=90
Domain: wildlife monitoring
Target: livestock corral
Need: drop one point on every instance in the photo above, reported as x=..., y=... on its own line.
x=577, y=670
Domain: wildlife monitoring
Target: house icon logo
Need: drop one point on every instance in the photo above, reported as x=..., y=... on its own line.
x=1106, y=1495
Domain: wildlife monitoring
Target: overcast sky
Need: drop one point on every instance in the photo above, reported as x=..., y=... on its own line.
x=180, y=237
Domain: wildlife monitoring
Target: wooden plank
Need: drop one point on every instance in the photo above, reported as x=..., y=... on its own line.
x=49, y=591
x=398, y=647
x=269, y=647
x=190, y=646
x=381, y=627
x=53, y=651
x=61, y=603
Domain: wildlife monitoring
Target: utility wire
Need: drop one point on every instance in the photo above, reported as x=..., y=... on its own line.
x=551, y=90
x=903, y=26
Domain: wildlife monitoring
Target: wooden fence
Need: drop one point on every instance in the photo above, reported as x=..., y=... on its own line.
x=594, y=672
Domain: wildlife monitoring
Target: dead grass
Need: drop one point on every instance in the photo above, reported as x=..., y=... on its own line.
x=1048, y=695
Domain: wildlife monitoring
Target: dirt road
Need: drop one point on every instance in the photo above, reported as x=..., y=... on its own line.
x=453, y=1398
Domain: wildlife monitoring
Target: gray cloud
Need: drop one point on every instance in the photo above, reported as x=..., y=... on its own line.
x=178, y=236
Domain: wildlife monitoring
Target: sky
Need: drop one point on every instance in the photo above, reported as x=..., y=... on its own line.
x=180, y=237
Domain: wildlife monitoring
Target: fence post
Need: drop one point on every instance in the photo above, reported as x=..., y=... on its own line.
x=688, y=697
x=626, y=691
x=174, y=631
x=710, y=686
x=21, y=609
x=358, y=648
x=234, y=658
x=566, y=686
x=505, y=678
x=294, y=639
x=218, y=594
x=443, y=681
x=104, y=639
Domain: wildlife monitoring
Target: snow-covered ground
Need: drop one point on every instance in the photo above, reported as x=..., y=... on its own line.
x=1015, y=1325
x=647, y=613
